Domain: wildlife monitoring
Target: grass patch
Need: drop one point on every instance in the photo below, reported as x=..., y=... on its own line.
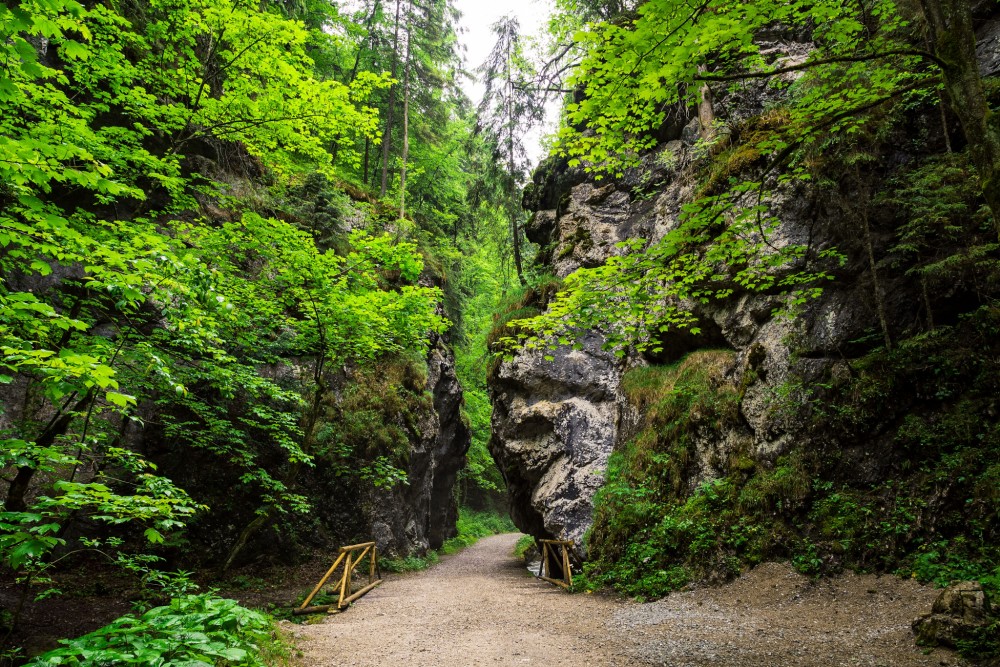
x=524, y=544
x=474, y=525
x=651, y=534
x=409, y=563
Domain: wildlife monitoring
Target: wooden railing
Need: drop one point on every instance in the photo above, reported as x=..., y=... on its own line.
x=350, y=560
x=557, y=551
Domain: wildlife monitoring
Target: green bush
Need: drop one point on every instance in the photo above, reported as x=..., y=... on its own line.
x=927, y=407
x=409, y=563
x=524, y=544
x=193, y=630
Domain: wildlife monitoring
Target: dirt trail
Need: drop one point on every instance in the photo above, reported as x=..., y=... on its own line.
x=481, y=607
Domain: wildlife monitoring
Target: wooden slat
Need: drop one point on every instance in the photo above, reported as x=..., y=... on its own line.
x=358, y=559
x=557, y=582
x=567, y=571
x=319, y=609
x=364, y=590
x=545, y=569
x=322, y=581
x=344, y=581
x=355, y=547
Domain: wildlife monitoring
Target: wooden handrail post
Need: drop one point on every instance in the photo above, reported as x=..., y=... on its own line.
x=322, y=581
x=567, y=572
x=343, y=581
x=549, y=551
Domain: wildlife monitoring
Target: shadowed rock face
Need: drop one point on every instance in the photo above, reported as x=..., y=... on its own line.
x=422, y=515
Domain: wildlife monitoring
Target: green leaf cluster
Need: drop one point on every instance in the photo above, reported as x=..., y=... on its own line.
x=192, y=630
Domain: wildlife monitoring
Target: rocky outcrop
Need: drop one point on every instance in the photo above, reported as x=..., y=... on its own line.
x=556, y=422
x=960, y=611
x=554, y=425
x=421, y=515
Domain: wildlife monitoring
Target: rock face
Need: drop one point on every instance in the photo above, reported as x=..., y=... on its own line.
x=554, y=428
x=958, y=613
x=555, y=423
x=421, y=515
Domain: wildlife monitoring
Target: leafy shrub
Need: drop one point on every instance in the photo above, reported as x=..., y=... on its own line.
x=523, y=546
x=193, y=630
x=409, y=563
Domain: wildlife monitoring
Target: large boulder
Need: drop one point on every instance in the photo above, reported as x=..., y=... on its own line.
x=959, y=613
x=554, y=426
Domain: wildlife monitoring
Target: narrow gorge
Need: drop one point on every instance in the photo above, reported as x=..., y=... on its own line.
x=709, y=290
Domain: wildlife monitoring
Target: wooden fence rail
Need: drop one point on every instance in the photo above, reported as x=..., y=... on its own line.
x=557, y=550
x=350, y=560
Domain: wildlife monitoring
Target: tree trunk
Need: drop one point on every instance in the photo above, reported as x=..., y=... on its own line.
x=954, y=42
x=364, y=168
x=706, y=111
x=387, y=137
x=406, y=127
x=265, y=515
x=18, y=488
x=357, y=56
x=515, y=231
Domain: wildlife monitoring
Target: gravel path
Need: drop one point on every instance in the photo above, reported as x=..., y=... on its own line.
x=481, y=607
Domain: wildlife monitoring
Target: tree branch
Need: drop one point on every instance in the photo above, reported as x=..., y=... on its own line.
x=816, y=63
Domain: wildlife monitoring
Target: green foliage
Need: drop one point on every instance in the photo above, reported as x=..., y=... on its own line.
x=118, y=296
x=367, y=431
x=524, y=544
x=484, y=285
x=410, y=563
x=942, y=208
x=474, y=525
x=931, y=514
x=192, y=630
x=653, y=534
x=721, y=247
x=635, y=70
x=519, y=304
x=642, y=72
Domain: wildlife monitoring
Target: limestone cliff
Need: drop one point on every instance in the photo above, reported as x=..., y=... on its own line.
x=421, y=515
x=556, y=423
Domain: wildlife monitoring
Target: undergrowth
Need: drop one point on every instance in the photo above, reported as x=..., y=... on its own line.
x=909, y=484
x=520, y=303
x=193, y=630
x=523, y=546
